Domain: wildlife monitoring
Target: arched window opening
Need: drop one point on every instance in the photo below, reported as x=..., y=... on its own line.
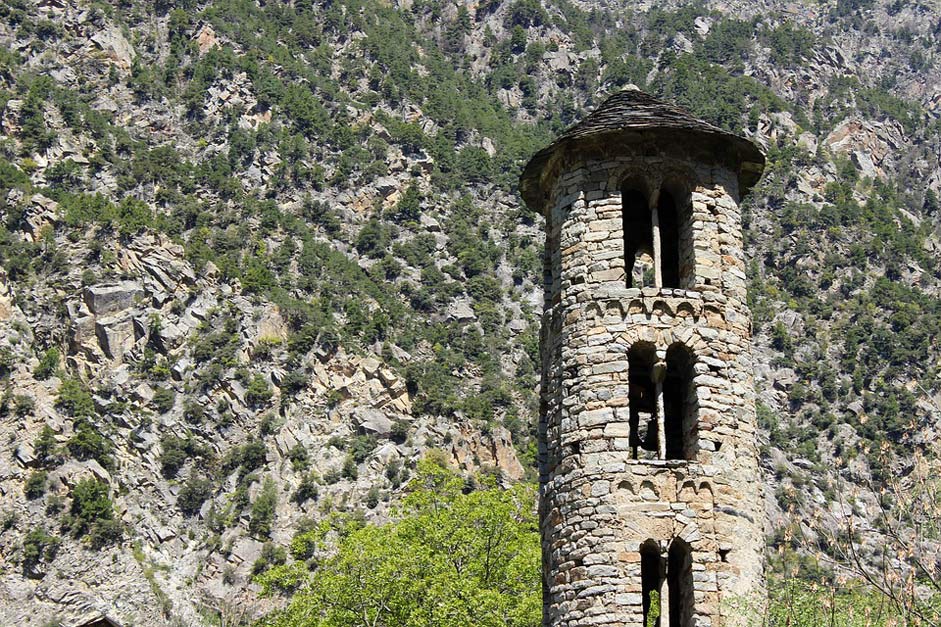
x=679, y=404
x=680, y=583
x=669, y=239
x=651, y=576
x=658, y=233
x=638, y=238
x=642, y=401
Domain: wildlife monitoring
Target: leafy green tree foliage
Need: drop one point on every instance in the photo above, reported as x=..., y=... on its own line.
x=474, y=164
x=248, y=457
x=624, y=69
x=271, y=555
x=193, y=494
x=408, y=208
x=848, y=7
x=86, y=442
x=263, y=509
x=81, y=209
x=713, y=93
x=44, y=447
x=133, y=216
x=518, y=39
x=728, y=40
x=161, y=165
x=373, y=238
x=7, y=362
x=527, y=13
x=654, y=613
x=447, y=559
x=74, y=399
x=163, y=400
x=11, y=177
x=175, y=451
x=35, y=485
x=91, y=515
x=789, y=43
x=256, y=276
x=65, y=175
x=305, y=110
x=931, y=204
x=307, y=489
x=258, y=392
x=38, y=546
x=34, y=132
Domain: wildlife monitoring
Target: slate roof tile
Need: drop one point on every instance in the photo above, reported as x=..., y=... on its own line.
x=633, y=111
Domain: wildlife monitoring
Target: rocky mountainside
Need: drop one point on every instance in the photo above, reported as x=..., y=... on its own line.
x=260, y=258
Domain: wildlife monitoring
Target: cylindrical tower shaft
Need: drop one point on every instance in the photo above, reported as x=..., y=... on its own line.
x=648, y=460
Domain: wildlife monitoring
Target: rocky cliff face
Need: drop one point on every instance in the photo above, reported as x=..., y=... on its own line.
x=259, y=258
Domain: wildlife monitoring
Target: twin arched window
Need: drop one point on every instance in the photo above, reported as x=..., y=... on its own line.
x=662, y=403
x=657, y=239
x=676, y=601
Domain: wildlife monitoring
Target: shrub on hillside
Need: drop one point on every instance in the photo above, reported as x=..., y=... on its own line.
x=193, y=494
x=91, y=515
x=48, y=364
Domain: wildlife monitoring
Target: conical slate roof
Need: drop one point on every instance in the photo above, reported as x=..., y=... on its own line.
x=632, y=112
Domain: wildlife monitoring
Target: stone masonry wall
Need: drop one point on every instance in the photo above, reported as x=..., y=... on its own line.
x=598, y=503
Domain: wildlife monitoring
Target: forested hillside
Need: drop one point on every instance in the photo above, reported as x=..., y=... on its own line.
x=261, y=258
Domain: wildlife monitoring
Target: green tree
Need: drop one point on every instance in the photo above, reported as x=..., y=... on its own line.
x=527, y=13
x=91, y=515
x=35, y=485
x=474, y=164
x=931, y=203
x=518, y=39
x=38, y=546
x=447, y=559
x=87, y=443
x=263, y=509
x=34, y=132
x=408, y=208
x=164, y=398
x=193, y=494
x=258, y=392
x=74, y=399
x=173, y=454
x=44, y=447
x=48, y=364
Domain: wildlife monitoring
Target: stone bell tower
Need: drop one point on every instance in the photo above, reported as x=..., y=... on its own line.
x=648, y=460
